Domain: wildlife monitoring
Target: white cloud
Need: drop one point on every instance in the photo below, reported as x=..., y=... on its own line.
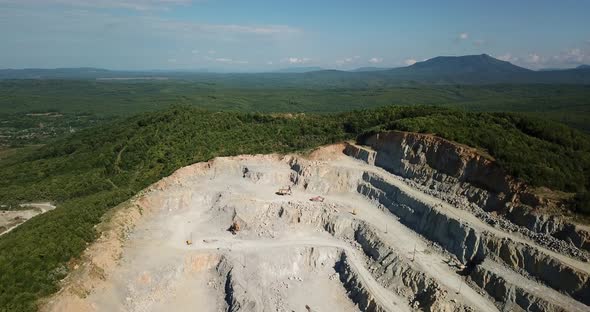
x=137, y=5
x=229, y=61
x=172, y=60
x=347, y=60
x=269, y=63
x=410, y=61
x=463, y=36
x=88, y=31
x=534, y=58
x=245, y=29
x=508, y=58
x=565, y=59
x=572, y=57
x=297, y=60
x=375, y=60
x=226, y=29
x=146, y=22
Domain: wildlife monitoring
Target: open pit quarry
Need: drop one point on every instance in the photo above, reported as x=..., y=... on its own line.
x=405, y=222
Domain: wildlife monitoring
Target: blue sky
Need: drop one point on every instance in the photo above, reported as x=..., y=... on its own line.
x=257, y=35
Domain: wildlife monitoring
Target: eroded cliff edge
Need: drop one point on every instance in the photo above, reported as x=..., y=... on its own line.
x=472, y=180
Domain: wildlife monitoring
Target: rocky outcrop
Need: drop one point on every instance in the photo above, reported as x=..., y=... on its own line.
x=236, y=292
x=577, y=235
x=456, y=237
x=460, y=173
x=541, y=265
x=467, y=242
x=397, y=273
x=357, y=291
x=442, y=165
x=513, y=298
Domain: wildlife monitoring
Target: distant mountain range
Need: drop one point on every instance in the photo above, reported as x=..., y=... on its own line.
x=368, y=69
x=299, y=69
x=470, y=69
x=452, y=65
x=66, y=73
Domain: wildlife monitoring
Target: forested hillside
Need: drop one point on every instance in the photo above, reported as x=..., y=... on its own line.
x=37, y=111
x=93, y=170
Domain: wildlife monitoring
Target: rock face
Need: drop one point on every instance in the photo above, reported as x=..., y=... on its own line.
x=465, y=177
x=402, y=276
x=445, y=166
x=467, y=241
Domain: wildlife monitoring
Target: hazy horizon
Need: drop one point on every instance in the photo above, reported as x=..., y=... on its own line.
x=286, y=69
x=262, y=36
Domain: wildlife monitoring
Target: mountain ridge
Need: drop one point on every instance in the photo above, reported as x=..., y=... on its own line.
x=294, y=70
x=468, y=69
x=467, y=63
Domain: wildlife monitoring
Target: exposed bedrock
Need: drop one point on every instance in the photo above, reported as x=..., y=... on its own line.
x=392, y=270
x=461, y=175
x=578, y=237
x=542, y=266
x=400, y=275
x=455, y=236
x=236, y=295
x=448, y=230
x=357, y=291
x=467, y=242
x=396, y=272
x=443, y=165
x=258, y=283
x=514, y=297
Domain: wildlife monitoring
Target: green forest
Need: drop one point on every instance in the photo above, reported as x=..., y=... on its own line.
x=38, y=111
x=90, y=171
